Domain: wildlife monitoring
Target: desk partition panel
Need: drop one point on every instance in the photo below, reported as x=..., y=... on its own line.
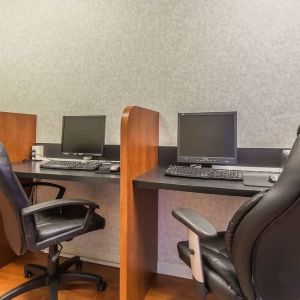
x=138, y=208
x=18, y=134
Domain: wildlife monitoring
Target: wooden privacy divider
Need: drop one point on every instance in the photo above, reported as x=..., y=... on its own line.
x=18, y=134
x=138, y=208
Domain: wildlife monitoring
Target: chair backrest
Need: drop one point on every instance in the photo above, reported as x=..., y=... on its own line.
x=12, y=200
x=265, y=246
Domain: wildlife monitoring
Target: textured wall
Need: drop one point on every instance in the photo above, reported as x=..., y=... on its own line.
x=96, y=57
x=88, y=57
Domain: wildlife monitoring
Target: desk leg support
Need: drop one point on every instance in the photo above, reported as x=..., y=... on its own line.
x=139, y=252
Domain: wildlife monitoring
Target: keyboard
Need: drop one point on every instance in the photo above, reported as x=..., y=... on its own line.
x=204, y=173
x=84, y=165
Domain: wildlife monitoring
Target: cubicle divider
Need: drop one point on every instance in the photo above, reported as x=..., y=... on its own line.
x=138, y=233
x=17, y=134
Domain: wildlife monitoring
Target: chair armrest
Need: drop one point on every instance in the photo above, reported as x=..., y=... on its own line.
x=29, y=226
x=30, y=210
x=61, y=191
x=195, y=222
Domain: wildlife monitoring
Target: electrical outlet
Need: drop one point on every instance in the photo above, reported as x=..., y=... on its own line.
x=37, y=152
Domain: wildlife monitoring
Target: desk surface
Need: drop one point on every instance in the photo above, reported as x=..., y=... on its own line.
x=155, y=179
x=32, y=169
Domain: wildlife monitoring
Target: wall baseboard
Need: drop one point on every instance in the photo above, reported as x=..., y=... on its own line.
x=92, y=255
x=178, y=270
x=108, y=259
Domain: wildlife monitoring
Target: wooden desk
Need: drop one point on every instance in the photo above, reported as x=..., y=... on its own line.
x=32, y=170
x=145, y=189
x=140, y=181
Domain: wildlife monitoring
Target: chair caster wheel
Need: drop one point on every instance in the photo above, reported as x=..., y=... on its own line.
x=102, y=286
x=27, y=274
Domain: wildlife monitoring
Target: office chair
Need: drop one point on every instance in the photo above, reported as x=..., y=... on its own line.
x=258, y=256
x=44, y=225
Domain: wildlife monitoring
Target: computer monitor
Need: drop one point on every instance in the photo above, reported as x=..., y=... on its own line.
x=83, y=135
x=207, y=138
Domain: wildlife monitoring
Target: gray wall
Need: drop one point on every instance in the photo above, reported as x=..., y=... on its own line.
x=88, y=57
x=96, y=57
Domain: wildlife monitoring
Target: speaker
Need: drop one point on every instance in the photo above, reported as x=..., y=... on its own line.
x=37, y=152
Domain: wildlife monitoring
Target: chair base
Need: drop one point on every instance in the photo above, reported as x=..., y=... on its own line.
x=53, y=276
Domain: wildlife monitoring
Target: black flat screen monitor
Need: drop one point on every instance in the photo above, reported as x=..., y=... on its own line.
x=207, y=138
x=83, y=135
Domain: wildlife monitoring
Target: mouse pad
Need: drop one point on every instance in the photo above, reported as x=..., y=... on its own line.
x=257, y=179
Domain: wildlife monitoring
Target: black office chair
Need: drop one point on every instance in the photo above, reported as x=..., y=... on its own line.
x=36, y=227
x=258, y=256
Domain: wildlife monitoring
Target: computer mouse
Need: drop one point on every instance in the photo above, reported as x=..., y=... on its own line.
x=273, y=178
x=115, y=168
x=104, y=169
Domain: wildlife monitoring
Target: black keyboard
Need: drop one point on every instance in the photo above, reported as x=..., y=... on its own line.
x=204, y=173
x=84, y=165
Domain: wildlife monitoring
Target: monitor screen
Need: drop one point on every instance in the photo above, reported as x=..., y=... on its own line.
x=207, y=138
x=83, y=135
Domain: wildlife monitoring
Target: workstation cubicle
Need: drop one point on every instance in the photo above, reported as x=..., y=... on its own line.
x=143, y=164
x=140, y=206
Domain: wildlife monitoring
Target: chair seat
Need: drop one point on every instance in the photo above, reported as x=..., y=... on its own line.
x=57, y=221
x=219, y=271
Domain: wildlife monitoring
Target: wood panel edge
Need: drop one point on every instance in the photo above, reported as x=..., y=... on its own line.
x=134, y=120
